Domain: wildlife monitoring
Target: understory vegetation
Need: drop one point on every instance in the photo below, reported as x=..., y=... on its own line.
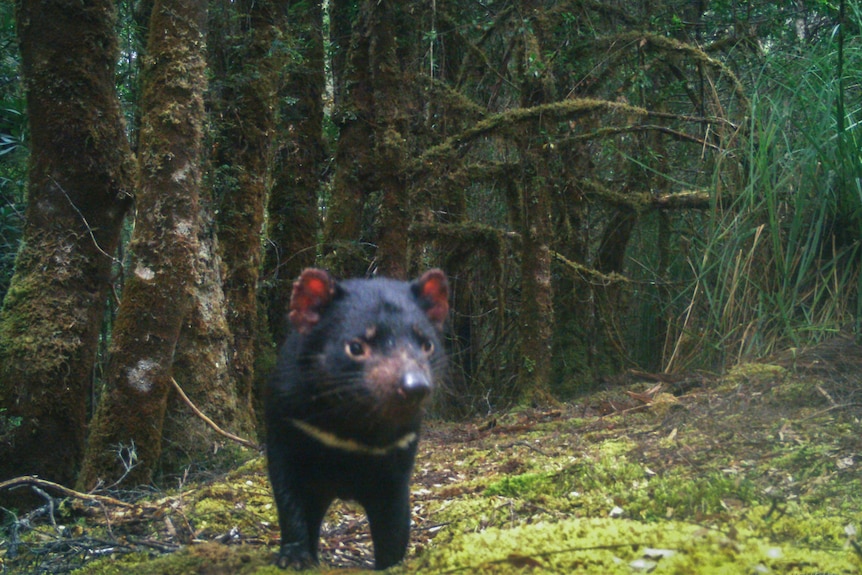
x=650, y=215
x=745, y=246
x=753, y=472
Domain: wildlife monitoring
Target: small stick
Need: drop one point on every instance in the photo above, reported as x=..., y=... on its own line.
x=831, y=408
x=210, y=422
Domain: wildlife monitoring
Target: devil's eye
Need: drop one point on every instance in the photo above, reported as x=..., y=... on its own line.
x=357, y=349
x=427, y=346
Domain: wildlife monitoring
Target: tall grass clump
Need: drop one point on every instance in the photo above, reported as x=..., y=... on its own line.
x=778, y=264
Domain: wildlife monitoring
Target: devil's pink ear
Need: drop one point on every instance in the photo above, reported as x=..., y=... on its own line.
x=311, y=292
x=432, y=289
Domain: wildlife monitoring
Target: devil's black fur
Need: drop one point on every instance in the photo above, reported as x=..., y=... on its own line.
x=345, y=403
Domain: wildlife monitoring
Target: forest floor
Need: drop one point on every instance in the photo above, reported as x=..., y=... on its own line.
x=756, y=471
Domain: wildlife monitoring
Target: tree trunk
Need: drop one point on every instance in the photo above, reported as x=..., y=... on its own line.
x=78, y=192
x=574, y=336
x=537, y=303
x=537, y=308
x=202, y=368
x=344, y=233
x=246, y=106
x=293, y=217
x=126, y=434
x=370, y=199
x=389, y=84
x=341, y=15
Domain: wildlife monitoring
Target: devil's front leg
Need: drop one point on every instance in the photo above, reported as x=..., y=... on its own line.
x=300, y=513
x=389, y=516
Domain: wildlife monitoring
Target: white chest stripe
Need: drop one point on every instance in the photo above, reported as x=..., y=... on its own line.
x=351, y=445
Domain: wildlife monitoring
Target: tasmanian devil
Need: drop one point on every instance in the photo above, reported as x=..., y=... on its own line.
x=345, y=402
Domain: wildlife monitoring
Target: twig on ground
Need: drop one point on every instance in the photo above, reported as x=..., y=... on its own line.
x=828, y=409
x=44, y=484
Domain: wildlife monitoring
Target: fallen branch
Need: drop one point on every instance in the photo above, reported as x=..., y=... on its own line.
x=210, y=422
x=44, y=484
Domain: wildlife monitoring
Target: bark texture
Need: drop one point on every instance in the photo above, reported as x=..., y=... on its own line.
x=202, y=368
x=126, y=435
x=344, y=243
x=537, y=309
x=389, y=81
x=79, y=190
x=296, y=182
x=370, y=207
x=245, y=102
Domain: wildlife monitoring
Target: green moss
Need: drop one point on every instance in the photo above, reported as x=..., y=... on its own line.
x=28, y=327
x=615, y=447
x=242, y=502
x=695, y=498
x=518, y=485
x=753, y=374
x=204, y=559
x=623, y=546
x=797, y=393
x=604, y=473
x=790, y=522
x=474, y=514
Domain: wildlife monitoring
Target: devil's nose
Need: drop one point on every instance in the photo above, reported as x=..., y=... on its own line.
x=416, y=385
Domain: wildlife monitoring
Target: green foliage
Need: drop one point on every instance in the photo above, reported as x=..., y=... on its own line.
x=13, y=148
x=779, y=264
x=7, y=424
x=131, y=31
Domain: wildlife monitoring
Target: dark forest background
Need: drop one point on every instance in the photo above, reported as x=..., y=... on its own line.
x=610, y=185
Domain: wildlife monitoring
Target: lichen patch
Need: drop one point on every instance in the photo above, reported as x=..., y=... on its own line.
x=141, y=377
x=143, y=272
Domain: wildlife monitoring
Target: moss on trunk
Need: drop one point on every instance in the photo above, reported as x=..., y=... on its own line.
x=248, y=60
x=293, y=216
x=345, y=238
x=533, y=219
x=125, y=439
x=78, y=192
x=202, y=368
x=390, y=83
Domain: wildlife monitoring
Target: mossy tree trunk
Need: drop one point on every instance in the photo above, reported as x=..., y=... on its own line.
x=344, y=242
x=247, y=64
x=573, y=332
x=533, y=219
x=370, y=197
x=292, y=209
x=389, y=26
x=203, y=351
x=126, y=433
x=342, y=15
x=79, y=190
x=202, y=368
